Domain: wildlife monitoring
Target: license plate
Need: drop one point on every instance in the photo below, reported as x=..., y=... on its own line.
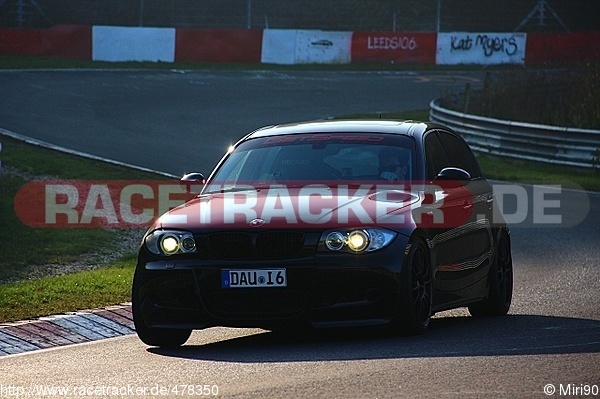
x=253, y=278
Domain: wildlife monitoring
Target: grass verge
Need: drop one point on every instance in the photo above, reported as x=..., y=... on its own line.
x=32, y=62
x=27, y=251
x=58, y=294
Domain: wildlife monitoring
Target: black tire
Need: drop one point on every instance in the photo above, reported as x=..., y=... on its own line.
x=500, y=280
x=161, y=337
x=416, y=296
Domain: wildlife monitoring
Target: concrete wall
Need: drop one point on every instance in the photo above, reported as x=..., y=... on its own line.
x=282, y=46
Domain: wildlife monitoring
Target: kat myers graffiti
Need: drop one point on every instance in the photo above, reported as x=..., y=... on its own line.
x=489, y=44
x=498, y=48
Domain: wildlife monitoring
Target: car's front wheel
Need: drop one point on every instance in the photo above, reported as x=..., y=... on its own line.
x=500, y=281
x=161, y=337
x=416, y=291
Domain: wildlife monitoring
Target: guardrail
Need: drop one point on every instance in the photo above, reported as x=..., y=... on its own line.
x=527, y=141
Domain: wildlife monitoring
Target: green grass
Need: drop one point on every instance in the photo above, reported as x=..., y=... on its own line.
x=40, y=161
x=24, y=249
x=82, y=290
x=30, y=62
x=27, y=62
x=22, y=246
x=497, y=168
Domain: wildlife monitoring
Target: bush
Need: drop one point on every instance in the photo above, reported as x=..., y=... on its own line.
x=550, y=97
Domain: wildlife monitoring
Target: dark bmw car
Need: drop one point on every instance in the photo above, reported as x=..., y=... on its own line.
x=327, y=224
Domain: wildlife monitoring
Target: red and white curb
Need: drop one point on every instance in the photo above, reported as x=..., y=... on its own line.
x=66, y=329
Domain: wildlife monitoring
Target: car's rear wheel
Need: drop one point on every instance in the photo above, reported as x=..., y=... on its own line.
x=500, y=280
x=416, y=291
x=162, y=337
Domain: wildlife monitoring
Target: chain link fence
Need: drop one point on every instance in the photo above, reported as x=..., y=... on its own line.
x=350, y=15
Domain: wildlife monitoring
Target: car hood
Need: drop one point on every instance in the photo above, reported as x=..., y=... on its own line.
x=315, y=206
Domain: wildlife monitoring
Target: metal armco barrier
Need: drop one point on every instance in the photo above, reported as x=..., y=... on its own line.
x=543, y=143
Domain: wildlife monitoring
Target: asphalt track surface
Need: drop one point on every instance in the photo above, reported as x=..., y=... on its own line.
x=175, y=122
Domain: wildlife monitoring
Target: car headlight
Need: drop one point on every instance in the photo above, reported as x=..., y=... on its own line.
x=335, y=241
x=170, y=242
x=357, y=240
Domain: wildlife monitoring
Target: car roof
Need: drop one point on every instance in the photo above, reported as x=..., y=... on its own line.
x=406, y=128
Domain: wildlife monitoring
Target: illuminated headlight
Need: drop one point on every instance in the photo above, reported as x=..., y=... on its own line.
x=357, y=240
x=167, y=242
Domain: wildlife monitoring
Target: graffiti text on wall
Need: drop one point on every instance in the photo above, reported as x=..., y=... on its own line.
x=391, y=43
x=489, y=44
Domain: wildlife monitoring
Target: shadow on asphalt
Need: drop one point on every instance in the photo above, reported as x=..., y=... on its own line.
x=446, y=337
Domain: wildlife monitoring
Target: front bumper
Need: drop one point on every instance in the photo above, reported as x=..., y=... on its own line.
x=326, y=290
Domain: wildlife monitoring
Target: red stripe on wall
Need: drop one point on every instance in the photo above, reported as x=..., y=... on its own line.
x=567, y=47
x=218, y=45
x=19, y=41
x=413, y=48
x=67, y=41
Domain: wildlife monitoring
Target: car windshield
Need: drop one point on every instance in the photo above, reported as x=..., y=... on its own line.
x=317, y=157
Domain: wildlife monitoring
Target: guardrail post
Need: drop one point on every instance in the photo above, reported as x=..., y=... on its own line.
x=467, y=96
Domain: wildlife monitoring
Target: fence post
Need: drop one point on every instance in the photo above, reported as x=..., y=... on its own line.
x=467, y=96
x=249, y=12
x=141, y=12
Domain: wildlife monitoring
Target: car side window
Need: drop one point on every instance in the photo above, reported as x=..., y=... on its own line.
x=435, y=156
x=459, y=154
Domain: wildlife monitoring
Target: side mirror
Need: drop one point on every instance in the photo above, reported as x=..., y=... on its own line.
x=451, y=173
x=192, y=183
